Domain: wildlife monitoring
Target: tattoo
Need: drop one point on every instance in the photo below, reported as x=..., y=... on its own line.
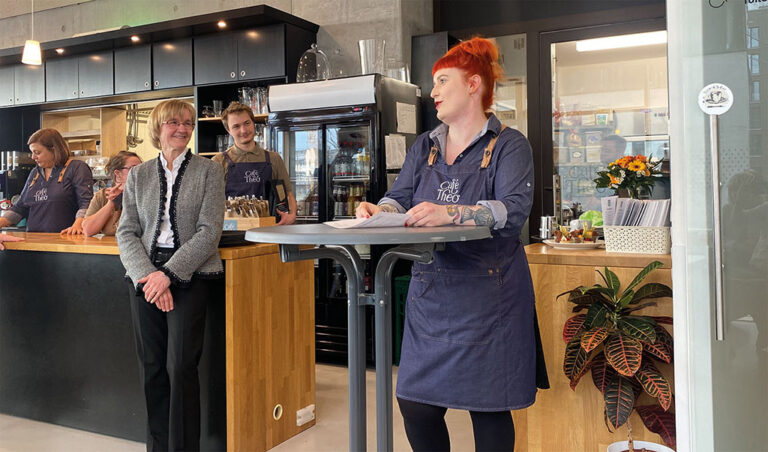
x=388, y=208
x=480, y=214
x=453, y=212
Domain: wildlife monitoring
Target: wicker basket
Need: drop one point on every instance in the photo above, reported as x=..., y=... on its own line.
x=637, y=239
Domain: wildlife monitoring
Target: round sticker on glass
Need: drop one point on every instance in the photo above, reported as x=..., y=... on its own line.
x=715, y=99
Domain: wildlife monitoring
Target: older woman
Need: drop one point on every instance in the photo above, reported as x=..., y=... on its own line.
x=58, y=190
x=107, y=203
x=470, y=339
x=173, y=210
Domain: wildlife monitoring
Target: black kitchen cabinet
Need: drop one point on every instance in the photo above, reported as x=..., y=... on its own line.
x=133, y=69
x=6, y=86
x=61, y=82
x=29, y=84
x=96, y=75
x=216, y=59
x=172, y=64
x=261, y=52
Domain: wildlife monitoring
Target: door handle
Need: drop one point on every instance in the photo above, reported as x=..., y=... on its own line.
x=714, y=146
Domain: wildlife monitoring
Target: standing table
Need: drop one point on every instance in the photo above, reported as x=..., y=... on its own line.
x=414, y=244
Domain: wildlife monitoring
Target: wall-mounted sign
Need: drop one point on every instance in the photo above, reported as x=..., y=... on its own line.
x=715, y=99
x=754, y=5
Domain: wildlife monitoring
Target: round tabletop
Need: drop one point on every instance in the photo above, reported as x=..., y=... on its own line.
x=322, y=234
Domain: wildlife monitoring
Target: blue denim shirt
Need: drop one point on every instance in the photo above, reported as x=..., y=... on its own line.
x=511, y=173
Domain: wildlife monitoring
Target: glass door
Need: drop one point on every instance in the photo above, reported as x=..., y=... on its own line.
x=299, y=149
x=348, y=157
x=720, y=223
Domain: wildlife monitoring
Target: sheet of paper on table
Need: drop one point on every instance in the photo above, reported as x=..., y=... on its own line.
x=380, y=220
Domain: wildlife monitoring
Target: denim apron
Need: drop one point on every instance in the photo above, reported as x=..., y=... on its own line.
x=469, y=338
x=52, y=203
x=247, y=178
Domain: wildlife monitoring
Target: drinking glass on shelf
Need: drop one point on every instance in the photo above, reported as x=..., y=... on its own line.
x=208, y=112
x=221, y=142
x=218, y=107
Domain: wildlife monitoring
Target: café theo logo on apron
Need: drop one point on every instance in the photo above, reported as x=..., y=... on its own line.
x=449, y=191
x=252, y=176
x=41, y=195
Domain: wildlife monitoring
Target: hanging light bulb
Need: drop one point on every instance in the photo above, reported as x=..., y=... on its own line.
x=32, y=53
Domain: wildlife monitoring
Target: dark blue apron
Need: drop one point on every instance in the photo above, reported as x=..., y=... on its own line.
x=52, y=203
x=248, y=178
x=469, y=340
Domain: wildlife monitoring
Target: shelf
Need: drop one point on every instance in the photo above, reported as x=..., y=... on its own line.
x=259, y=118
x=94, y=133
x=351, y=178
x=207, y=154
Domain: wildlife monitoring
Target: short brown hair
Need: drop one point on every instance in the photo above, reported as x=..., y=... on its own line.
x=52, y=139
x=117, y=162
x=236, y=107
x=165, y=110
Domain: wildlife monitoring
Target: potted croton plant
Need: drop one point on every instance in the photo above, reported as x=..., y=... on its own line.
x=609, y=338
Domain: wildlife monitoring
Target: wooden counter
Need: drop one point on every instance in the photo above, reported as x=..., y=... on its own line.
x=562, y=419
x=267, y=329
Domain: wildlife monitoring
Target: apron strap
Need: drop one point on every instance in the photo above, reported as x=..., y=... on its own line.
x=432, y=155
x=229, y=159
x=61, y=174
x=488, y=152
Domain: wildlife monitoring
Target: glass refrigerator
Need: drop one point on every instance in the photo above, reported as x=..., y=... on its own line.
x=343, y=141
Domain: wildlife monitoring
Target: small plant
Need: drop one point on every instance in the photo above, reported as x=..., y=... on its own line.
x=619, y=347
x=631, y=172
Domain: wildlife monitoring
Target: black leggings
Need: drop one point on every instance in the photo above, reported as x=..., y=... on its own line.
x=427, y=432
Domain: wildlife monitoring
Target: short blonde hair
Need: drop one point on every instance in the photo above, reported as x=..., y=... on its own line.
x=164, y=111
x=54, y=142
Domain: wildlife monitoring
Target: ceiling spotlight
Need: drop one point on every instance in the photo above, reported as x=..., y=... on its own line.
x=222, y=24
x=59, y=50
x=135, y=38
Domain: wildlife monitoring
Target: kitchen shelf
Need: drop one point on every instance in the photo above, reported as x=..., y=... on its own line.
x=351, y=178
x=94, y=133
x=207, y=154
x=259, y=118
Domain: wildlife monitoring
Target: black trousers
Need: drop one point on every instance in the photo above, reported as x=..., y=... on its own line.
x=169, y=347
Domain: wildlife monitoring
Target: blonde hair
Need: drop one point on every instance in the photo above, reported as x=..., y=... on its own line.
x=54, y=142
x=164, y=111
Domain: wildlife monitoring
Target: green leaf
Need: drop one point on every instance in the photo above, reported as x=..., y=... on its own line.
x=658, y=421
x=594, y=337
x=624, y=354
x=596, y=316
x=652, y=290
x=638, y=328
x=576, y=361
x=612, y=280
x=573, y=326
x=655, y=384
x=602, y=372
x=643, y=273
x=619, y=401
x=626, y=299
x=638, y=307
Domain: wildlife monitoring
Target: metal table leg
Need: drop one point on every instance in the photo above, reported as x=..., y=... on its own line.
x=353, y=267
x=383, y=318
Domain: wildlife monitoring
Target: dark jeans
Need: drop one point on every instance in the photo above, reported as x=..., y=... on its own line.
x=169, y=346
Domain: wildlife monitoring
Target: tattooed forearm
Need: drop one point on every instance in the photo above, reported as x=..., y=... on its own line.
x=481, y=215
x=388, y=208
x=453, y=212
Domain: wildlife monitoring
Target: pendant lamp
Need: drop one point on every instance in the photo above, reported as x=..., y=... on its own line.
x=32, y=53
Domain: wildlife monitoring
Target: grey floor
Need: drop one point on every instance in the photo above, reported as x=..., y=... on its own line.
x=329, y=434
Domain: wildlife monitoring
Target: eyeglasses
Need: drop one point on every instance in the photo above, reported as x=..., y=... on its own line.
x=176, y=124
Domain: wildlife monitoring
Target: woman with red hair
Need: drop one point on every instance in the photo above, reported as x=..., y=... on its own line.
x=470, y=338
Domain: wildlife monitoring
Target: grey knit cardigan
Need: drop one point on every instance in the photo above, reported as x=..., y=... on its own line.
x=196, y=214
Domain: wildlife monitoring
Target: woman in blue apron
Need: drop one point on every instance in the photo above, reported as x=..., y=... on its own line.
x=58, y=191
x=471, y=340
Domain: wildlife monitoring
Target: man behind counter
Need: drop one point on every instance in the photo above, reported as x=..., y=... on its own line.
x=248, y=167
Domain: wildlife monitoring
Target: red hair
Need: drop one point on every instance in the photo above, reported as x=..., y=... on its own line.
x=475, y=56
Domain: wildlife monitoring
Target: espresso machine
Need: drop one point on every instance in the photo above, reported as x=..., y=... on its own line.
x=15, y=167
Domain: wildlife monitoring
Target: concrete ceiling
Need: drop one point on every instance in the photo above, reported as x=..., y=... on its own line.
x=11, y=8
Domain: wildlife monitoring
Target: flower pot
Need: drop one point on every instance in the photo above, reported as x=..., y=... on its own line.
x=621, y=446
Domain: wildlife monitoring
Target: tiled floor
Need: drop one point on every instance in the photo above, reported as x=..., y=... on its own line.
x=329, y=434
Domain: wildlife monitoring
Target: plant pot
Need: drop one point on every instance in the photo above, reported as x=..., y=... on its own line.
x=621, y=446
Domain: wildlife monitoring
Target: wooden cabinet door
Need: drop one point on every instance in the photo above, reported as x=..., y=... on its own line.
x=61, y=79
x=29, y=84
x=261, y=52
x=6, y=86
x=96, y=74
x=133, y=69
x=172, y=64
x=215, y=59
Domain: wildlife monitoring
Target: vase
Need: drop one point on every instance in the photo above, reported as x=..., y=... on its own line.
x=633, y=193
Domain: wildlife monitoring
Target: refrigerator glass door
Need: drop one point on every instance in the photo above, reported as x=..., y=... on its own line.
x=348, y=157
x=299, y=148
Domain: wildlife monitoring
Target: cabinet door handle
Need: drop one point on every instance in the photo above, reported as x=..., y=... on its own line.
x=146, y=84
x=242, y=73
x=74, y=93
x=157, y=82
x=232, y=75
x=82, y=92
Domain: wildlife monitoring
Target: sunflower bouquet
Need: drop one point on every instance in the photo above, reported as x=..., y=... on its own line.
x=630, y=173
